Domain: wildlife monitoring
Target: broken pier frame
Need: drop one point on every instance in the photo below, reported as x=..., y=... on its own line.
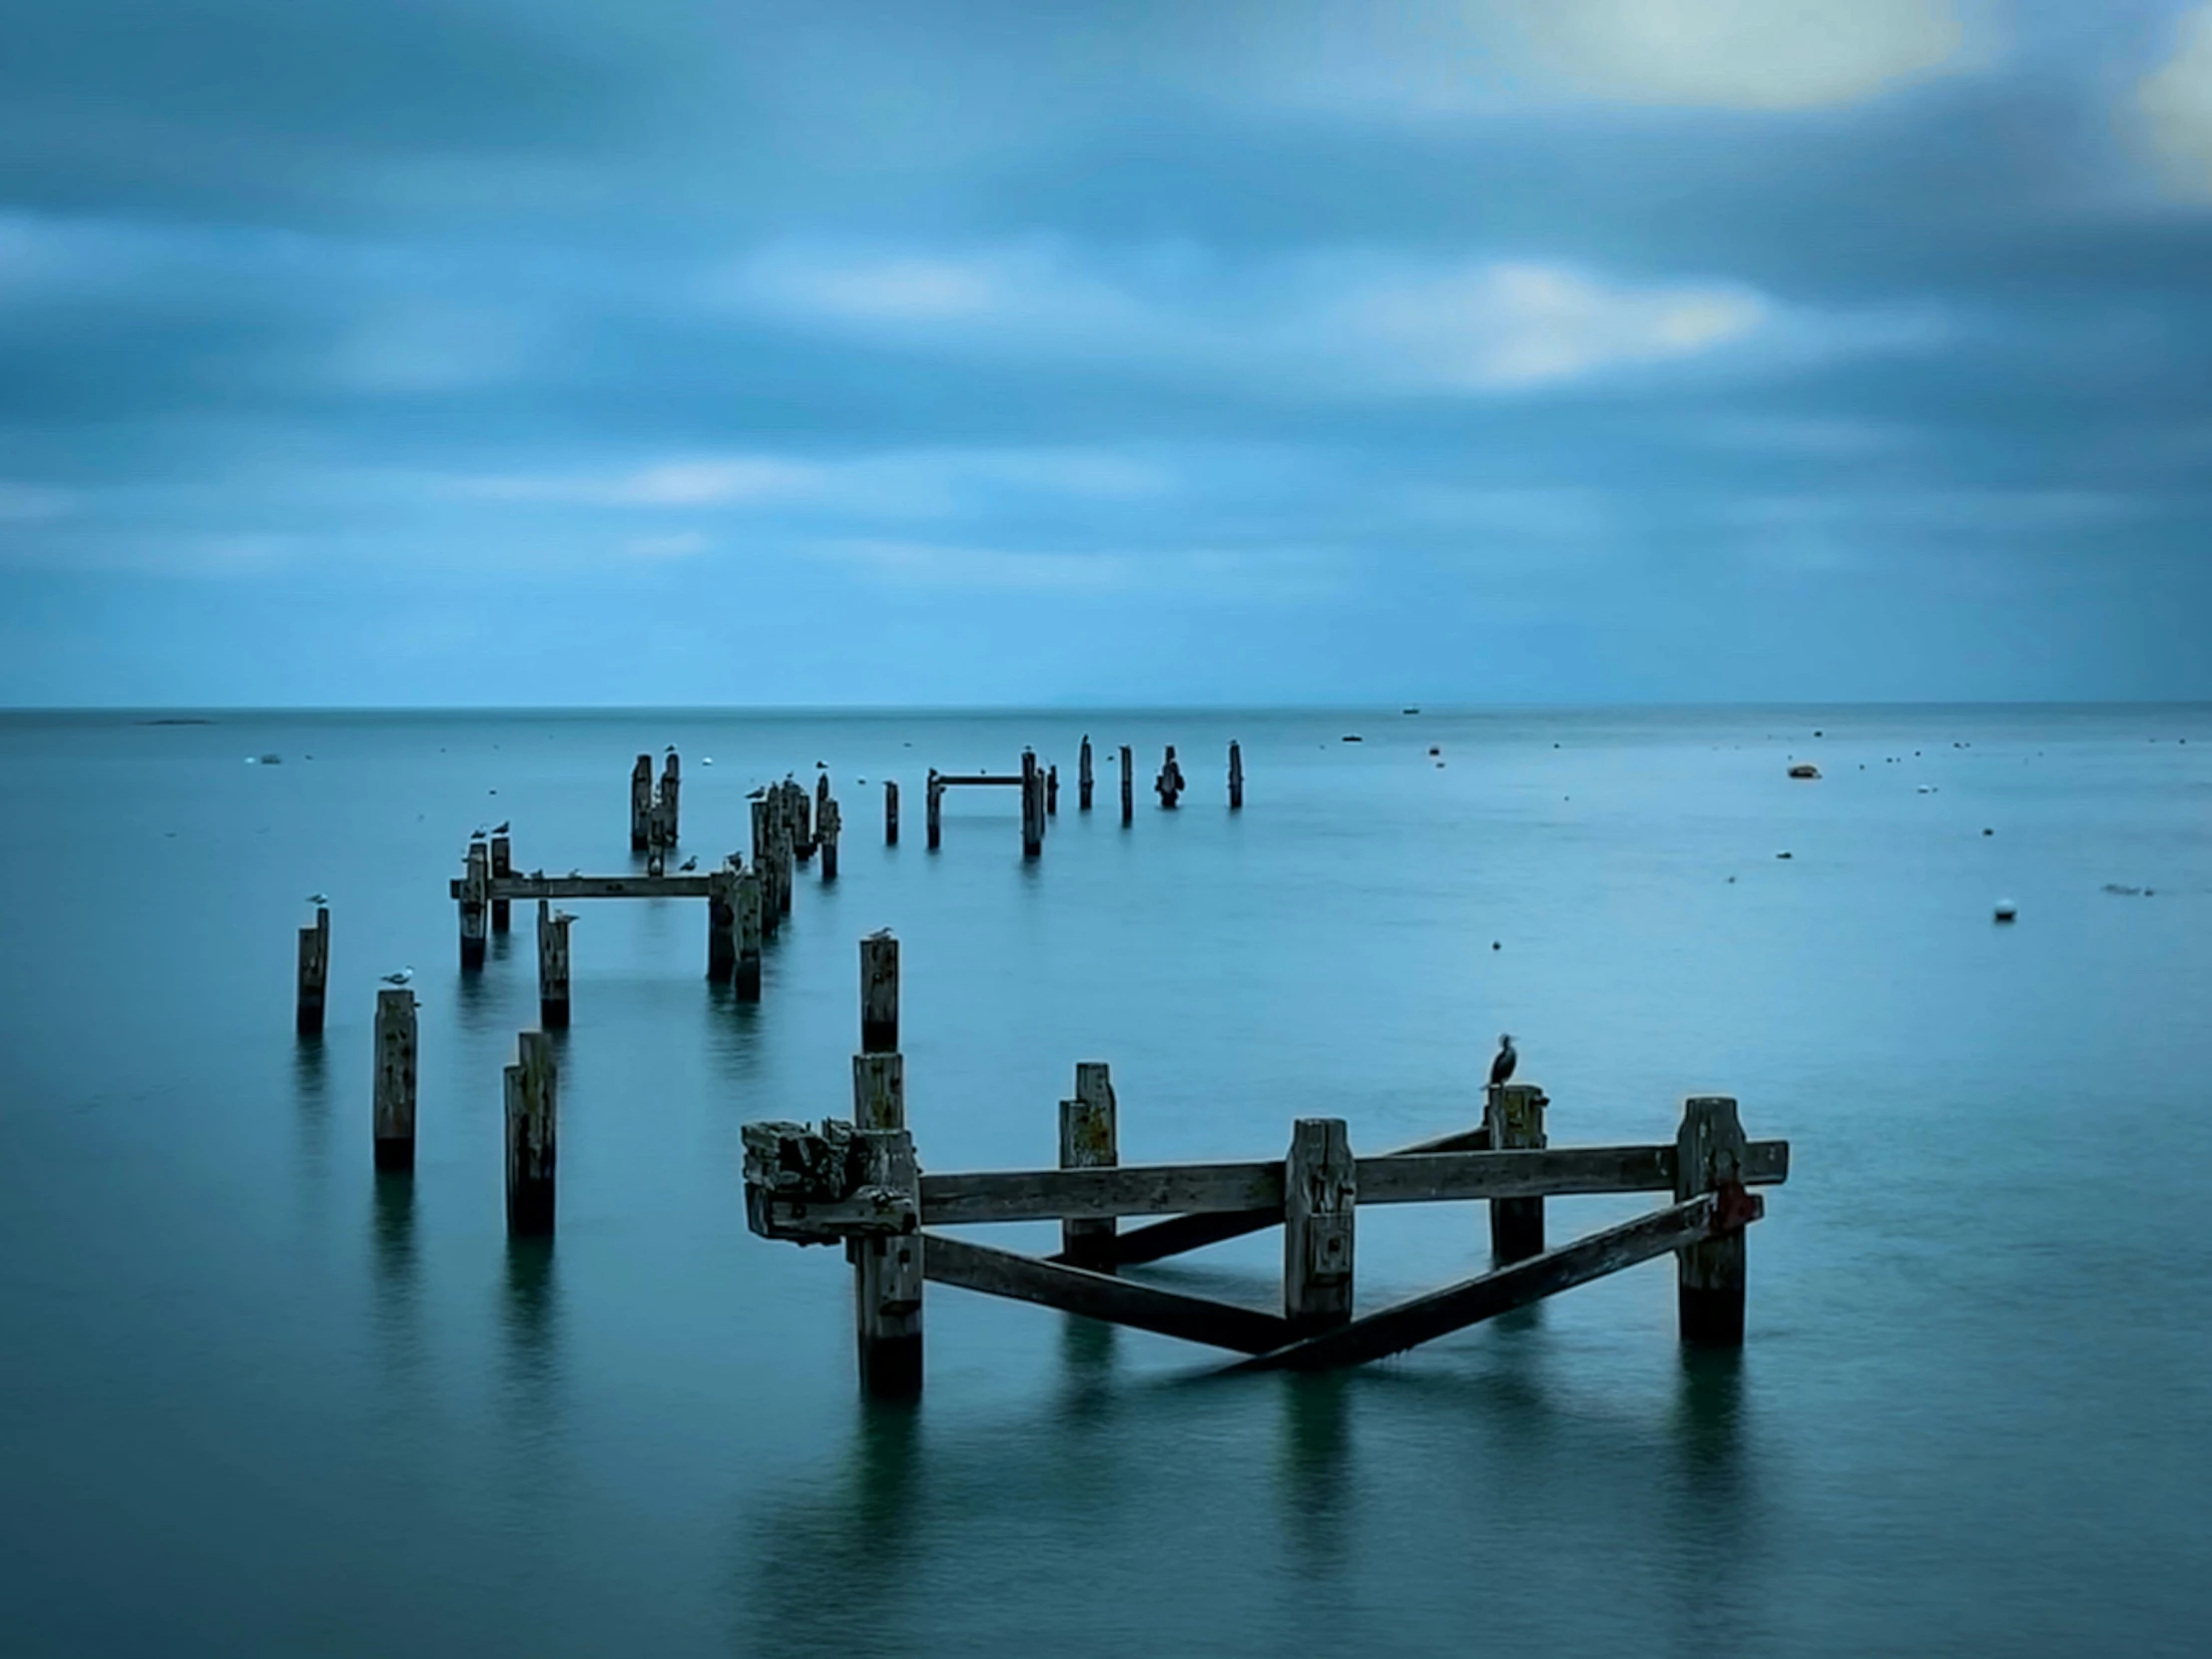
x=654, y=816
x=856, y=1182
x=1039, y=787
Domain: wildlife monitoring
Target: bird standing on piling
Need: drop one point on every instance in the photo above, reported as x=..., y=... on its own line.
x=1502, y=1068
x=499, y=828
x=399, y=978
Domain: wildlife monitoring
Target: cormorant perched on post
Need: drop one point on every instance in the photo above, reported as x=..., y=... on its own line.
x=1502, y=1068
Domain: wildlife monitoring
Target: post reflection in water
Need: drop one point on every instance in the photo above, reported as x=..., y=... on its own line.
x=1313, y=1477
x=1087, y=1364
x=531, y=1327
x=311, y=1089
x=1715, y=1486
x=393, y=1273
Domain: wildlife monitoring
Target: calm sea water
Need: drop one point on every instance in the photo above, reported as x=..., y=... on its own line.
x=254, y=1400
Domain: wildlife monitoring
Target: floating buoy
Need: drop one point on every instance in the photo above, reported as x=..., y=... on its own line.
x=2007, y=910
x=1989, y=832
x=1433, y=749
x=1782, y=855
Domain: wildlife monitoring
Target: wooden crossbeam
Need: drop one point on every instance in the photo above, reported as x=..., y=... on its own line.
x=1403, y=1178
x=946, y=779
x=1100, y=1296
x=595, y=886
x=1455, y=1308
x=1179, y=1234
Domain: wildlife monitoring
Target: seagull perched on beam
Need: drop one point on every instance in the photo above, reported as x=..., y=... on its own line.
x=1502, y=1068
x=478, y=834
x=318, y=898
x=501, y=829
x=689, y=864
x=399, y=978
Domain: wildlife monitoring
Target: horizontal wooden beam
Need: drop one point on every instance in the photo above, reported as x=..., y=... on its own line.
x=1087, y=1194
x=1255, y=1189
x=1177, y=1234
x=946, y=779
x=1100, y=1296
x=594, y=887
x=1453, y=1308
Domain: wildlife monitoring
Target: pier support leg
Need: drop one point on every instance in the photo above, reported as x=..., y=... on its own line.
x=1128, y=788
x=1320, y=1194
x=890, y=812
x=533, y=1113
x=722, y=925
x=799, y=816
x=1514, y=1115
x=828, y=821
x=641, y=804
x=1236, y=778
x=503, y=863
x=934, y=811
x=880, y=993
x=1083, y=776
x=552, y=967
x=1170, y=781
x=666, y=818
x=394, y=1099
x=1033, y=807
x=1052, y=791
x=747, y=986
x=886, y=1272
x=1709, y=1156
x=314, y=974
x=1089, y=1140
x=476, y=905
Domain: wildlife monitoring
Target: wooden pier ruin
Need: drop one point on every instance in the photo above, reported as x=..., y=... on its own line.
x=653, y=808
x=857, y=1182
x=1039, y=790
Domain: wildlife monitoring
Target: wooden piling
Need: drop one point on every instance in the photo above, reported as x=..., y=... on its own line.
x=1089, y=1139
x=822, y=799
x=722, y=925
x=1083, y=776
x=314, y=974
x=1514, y=1115
x=1052, y=791
x=666, y=824
x=1709, y=1158
x=1320, y=1193
x=476, y=905
x=828, y=821
x=533, y=1115
x=394, y=1099
x=1033, y=807
x=786, y=853
x=886, y=1272
x=1128, y=786
x=1236, y=778
x=799, y=816
x=934, y=811
x=880, y=993
x=1170, y=781
x=641, y=804
x=747, y=986
x=890, y=812
x=502, y=864
x=552, y=966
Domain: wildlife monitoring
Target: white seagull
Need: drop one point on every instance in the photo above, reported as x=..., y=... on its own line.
x=399, y=978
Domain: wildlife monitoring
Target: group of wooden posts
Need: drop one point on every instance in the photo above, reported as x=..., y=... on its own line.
x=1040, y=793
x=857, y=1182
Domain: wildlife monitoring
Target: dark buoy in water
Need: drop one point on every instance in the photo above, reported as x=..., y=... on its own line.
x=2007, y=910
x=1989, y=832
x=1782, y=855
x=1493, y=944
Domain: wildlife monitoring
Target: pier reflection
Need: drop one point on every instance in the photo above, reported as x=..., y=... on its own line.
x=1312, y=1478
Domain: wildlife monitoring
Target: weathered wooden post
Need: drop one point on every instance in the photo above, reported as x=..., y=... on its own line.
x=1170, y=781
x=801, y=818
x=887, y=1271
x=502, y=866
x=1513, y=1113
x=890, y=812
x=764, y=859
x=1128, y=786
x=787, y=870
x=1320, y=1201
x=722, y=924
x=1033, y=807
x=394, y=1099
x=880, y=993
x=1083, y=776
x=934, y=811
x=1236, y=776
x=475, y=904
x=666, y=820
x=822, y=798
x=828, y=819
x=747, y=985
x=315, y=973
x=552, y=966
x=533, y=1114
x=641, y=804
x=1709, y=1157
x=1052, y=791
x=1089, y=1140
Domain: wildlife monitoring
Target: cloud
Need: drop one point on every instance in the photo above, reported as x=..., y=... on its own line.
x=691, y=482
x=1741, y=53
x=1329, y=324
x=926, y=564
x=2175, y=105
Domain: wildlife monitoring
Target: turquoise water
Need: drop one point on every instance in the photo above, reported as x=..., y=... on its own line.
x=254, y=1400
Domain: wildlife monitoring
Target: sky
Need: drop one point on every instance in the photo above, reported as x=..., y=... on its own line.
x=407, y=353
